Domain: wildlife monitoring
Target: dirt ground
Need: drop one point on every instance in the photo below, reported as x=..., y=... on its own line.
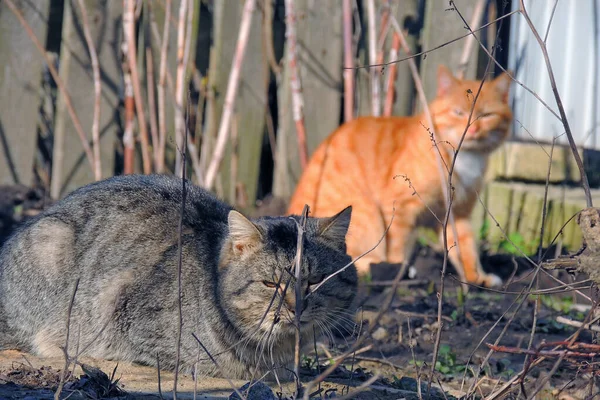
x=399, y=351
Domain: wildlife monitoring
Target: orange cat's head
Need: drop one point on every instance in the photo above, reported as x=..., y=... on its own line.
x=491, y=117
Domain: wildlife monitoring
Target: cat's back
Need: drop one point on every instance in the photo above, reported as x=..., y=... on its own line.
x=107, y=227
x=351, y=155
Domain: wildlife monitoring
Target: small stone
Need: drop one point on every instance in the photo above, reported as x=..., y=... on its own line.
x=380, y=333
x=258, y=391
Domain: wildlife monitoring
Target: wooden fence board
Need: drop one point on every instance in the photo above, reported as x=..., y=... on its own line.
x=70, y=166
x=320, y=47
x=21, y=65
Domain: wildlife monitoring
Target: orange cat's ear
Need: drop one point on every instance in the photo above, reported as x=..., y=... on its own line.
x=244, y=235
x=445, y=80
x=502, y=84
x=334, y=229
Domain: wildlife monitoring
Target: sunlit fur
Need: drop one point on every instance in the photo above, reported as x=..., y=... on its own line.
x=387, y=166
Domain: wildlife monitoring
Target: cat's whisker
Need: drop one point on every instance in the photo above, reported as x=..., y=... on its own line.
x=334, y=326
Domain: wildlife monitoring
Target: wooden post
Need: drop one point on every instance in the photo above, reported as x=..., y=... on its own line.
x=21, y=65
x=70, y=169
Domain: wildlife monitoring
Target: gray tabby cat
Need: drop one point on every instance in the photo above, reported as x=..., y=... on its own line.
x=120, y=238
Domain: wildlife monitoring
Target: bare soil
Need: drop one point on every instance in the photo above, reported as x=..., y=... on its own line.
x=400, y=350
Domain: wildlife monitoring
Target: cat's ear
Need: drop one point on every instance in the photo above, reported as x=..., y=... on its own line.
x=244, y=235
x=445, y=80
x=502, y=84
x=334, y=229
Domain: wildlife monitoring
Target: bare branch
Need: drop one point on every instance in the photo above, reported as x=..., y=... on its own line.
x=182, y=55
x=63, y=374
x=295, y=81
x=348, y=62
x=375, y=100
x=298, y=294
x=232, y=87
x=129, y=33
x=392, y=73
x=162, y=83
x=150, y=83
x=470, y=40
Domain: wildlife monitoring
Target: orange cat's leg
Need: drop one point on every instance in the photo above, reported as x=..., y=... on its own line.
x=400, y=242
x=462, y=251
x=366, y=228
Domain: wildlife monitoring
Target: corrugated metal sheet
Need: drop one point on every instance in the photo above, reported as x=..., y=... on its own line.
x=573, y=44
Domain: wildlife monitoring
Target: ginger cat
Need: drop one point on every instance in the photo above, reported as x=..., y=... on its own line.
x=358, y=163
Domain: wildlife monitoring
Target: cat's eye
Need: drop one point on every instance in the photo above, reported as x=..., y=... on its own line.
x=458, y=112
x=269, y=284
x=486, y=115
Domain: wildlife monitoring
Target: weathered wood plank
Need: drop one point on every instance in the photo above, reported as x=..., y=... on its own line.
x=252, y=94
x=319, y=30
x=442, y=23
x=70, y=167
x=21, y=65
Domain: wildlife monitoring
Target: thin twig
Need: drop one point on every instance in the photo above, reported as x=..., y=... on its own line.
x=230, y=96
x=158, y=376
x=59, y=82
x=295, y=81
x=180, y=83
x=162, y=83
x=235, y=389
x=424, y=52
x=550, y=20
x=563, y=116
x=65, y=349
x=392, y=73
x=97, y=91
x=364, y=386
x=339, y=271
x=268, y=37
x=129, y=33
x=180, y=263
x=384, y=307
x=470, y=40
x=348, y=62
x=298, y=295
x=150, y=83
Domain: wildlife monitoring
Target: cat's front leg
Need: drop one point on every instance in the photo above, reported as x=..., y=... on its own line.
x=462, y=251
